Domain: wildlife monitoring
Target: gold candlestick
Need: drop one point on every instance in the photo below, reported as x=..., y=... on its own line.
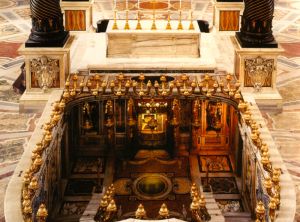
x=138, y=25
x=153, y=27
x=179, y=24
x=126, y=23
x=168, y=27
x=191, y=27
x=115, y=26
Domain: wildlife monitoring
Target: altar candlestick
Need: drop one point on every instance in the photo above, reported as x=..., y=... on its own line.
x=168, y=27
x=191, y=27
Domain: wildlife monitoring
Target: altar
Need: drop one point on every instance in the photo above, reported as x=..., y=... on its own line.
x=159, y=43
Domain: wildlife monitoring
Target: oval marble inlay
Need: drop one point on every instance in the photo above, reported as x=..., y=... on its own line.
x=152, y=186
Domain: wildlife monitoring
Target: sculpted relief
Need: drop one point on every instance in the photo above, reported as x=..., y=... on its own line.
x=44, y=73
x=258, y=72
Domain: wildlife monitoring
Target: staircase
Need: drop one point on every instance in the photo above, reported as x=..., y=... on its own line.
x=211, y=204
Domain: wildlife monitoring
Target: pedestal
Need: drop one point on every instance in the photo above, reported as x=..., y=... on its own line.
x=256, y=69
x=227, y=15
x=46, y=70
x=78, y=15
x=160, y=43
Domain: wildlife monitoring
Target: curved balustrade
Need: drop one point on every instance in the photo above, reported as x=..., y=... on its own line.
x=267, y=196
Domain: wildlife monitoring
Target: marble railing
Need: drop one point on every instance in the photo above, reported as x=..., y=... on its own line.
x=272, y=192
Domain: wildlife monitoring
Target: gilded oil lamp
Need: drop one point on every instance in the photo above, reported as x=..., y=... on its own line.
x=140, y=213
x=163, y=211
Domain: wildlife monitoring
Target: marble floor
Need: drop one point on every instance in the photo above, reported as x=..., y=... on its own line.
x=14, y=30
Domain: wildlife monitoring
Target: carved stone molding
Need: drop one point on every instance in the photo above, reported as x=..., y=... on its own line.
x=258, y=72
x=44, y=73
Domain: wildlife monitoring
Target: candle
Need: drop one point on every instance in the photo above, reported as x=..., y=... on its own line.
x=169, y=4
x=115, y=4
x=127, y=4
x=138, y=4
x=180, y=4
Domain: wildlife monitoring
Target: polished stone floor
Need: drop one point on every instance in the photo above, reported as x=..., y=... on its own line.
x=16, y=129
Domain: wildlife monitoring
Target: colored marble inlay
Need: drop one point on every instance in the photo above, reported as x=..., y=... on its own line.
x=230, y=206
x=229, y=20
x=222, y=185
x=75, y=20
x=89, y=166
x=217, y=163
x=8, y=49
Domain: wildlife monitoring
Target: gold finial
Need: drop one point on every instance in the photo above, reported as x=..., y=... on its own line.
x=260, y=211
x=27, y=177
x=26, y=201
x=202, y=201
x=103, y=202
x=33, y=185
x=111, y=206
x=272, y=209
x=127, y=27
x=27, y=208
x=140, y=213
x=194, y=190
x=115, y=25
x=195, y=205
x=42, y=213
x=163, y=211
x=168, y=27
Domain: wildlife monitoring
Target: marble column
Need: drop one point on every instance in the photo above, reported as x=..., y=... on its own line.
x=47, y=24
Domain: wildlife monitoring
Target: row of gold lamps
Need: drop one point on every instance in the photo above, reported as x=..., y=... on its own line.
x=122, y=86
x=271, y=183
x=30, y=180
x=198, y=205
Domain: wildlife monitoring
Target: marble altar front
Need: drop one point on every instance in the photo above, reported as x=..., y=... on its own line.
x=159, y=43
